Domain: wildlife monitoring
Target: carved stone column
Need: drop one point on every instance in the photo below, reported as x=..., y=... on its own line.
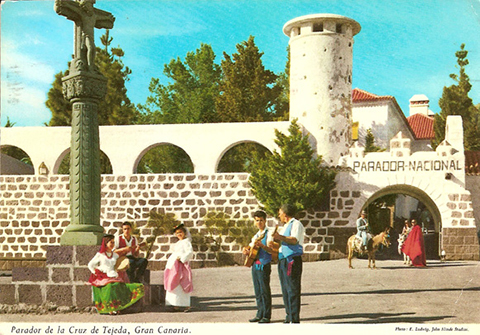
x=84, y=89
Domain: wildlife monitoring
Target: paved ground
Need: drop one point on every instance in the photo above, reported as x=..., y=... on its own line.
x=443, y=293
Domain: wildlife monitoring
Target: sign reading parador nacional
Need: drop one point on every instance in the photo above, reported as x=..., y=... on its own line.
x=407, y=165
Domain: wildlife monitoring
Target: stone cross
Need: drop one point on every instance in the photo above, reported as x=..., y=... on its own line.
x=84, y=87
x=86, y=19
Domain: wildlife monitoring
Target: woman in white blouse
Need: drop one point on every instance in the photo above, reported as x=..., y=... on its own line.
x=111, y=290
x=178, y=274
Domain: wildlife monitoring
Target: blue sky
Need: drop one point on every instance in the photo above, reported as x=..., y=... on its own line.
x=405, y=47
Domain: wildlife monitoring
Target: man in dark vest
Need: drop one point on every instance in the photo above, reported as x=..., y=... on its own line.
x=290, y=263
x=127, y=245
x=261, y=268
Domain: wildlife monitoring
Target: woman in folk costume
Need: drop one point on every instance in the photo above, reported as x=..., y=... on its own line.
x=178, y=274
x=112, y=291
x=414, y=246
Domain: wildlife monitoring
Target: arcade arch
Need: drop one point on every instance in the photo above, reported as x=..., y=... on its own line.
x=163, y=158
x=62, y=165
x=406, y=202
x=14, y=160
x=237, y=156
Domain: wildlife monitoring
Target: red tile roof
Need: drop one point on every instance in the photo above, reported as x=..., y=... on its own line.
x=422, y=126
x=359, y=95
x=472, y=163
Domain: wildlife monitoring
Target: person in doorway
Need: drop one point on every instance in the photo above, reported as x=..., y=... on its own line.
x=127, y=245
x=362, y=229
x=261, y=267
x=414, y=246
x=177, y=277
x=401, y=240
x=290, y=263
x=111, y=290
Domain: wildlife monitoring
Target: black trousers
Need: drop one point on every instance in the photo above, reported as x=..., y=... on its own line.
x=137, y=268
x=261, y=285
x=290, y=281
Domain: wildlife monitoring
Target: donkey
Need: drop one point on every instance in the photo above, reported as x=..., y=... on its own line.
x=354, y=244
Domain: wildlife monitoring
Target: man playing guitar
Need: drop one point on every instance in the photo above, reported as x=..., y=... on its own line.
x=259, y=250
x=127, y=245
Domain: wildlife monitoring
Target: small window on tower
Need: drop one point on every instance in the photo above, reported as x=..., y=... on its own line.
x=317, y=27
x=339, y=28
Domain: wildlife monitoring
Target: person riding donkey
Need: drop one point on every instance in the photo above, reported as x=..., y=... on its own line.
x=362, y=229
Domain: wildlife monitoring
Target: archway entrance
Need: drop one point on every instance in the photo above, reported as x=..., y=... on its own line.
x=392, y=205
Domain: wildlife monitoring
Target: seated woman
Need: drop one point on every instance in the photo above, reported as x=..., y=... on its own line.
x=178, y=275
x=111, y=290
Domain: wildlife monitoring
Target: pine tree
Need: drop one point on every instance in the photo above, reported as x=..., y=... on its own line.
x=190, y=96
x=293, y=176
x=455, y=101
x=115, y=109
x=370, y=142
x=247, y=90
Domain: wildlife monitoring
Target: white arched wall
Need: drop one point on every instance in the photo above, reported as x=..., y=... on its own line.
x=123, y=145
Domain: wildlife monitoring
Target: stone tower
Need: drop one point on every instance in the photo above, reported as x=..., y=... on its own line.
x=321, y=80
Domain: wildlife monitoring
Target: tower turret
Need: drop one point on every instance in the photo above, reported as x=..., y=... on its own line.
x=321, y=51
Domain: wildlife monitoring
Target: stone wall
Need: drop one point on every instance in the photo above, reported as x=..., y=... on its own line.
x=34, y=212
x=472, y=183
x=63, y=281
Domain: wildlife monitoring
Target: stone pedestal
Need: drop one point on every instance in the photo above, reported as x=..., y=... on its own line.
x=63, y=282
x=84, y=90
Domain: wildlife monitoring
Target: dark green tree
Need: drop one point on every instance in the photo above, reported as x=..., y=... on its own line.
x=293, y=176
x=116, y=108
x=370, y=142
x=239, y=158
x=282, y=102
x=190, y=96
x=165, y=159
x=247, y=90
x=455, y=101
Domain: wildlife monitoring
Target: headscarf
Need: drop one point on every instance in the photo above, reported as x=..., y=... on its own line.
x=105, y=240
x=187, y=232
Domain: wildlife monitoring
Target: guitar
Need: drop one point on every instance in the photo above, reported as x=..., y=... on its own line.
x=275, y=246
x=253, y=251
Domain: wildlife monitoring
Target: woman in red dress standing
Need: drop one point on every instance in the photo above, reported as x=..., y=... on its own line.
x=414, y=246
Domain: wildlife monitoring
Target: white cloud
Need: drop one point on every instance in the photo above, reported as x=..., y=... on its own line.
x=24, y=105
x=24, y=67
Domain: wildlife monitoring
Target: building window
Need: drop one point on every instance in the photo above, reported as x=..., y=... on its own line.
x=317, y=27
x=339, y=28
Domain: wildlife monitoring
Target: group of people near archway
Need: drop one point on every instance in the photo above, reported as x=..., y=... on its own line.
x=411, y=242
x=115, y=290
x=412, y=245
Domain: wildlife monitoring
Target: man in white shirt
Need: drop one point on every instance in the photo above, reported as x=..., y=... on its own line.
x=127, y=245
x=290, y=262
